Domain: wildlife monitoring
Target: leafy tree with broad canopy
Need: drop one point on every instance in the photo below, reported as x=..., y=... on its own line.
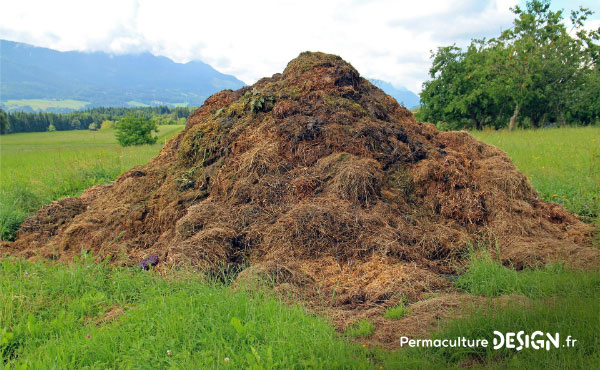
x=131, y=130
x=535, y=71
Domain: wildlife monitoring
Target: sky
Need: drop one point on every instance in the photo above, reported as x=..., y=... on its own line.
x=384, y=39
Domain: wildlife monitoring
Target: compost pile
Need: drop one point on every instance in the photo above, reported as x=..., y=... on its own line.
x=322, y=184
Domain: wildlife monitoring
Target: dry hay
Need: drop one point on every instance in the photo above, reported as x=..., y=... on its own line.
x=325, y=185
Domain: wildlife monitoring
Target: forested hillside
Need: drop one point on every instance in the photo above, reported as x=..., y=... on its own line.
x=13, y=122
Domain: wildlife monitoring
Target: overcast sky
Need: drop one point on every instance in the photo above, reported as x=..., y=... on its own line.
x=384, y=39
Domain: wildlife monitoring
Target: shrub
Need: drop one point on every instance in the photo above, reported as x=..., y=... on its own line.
x=107, y=124
x=135, y=131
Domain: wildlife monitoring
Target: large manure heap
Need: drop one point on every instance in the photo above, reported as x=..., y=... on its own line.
x=320, y=182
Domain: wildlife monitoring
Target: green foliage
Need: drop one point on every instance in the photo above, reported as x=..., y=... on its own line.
x=443, y=126
x=135, y=131
x=76, y=124
x=164, y=120
x=260, y=102
x=458, y=92
x=93, y=126
x=107, y=317
x=38, y=122
x=361, y=328
x=396, y=312
x=4, y=127
x=107, y=124
x=51, y=128
x=533, y=73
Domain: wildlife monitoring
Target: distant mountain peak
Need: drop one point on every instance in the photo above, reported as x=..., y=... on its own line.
x=400, y=93
x=30, y=72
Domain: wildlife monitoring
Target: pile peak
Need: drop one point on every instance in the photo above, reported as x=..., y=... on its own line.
x=320, y=182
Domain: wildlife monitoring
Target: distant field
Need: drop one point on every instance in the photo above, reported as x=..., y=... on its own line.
x=133, y=103
x=562, y=164
x=37, y=168
x=42, y=104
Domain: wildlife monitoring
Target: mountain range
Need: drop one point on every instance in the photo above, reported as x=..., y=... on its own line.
x=29, y=72
x=89, y=79
x=403, y=95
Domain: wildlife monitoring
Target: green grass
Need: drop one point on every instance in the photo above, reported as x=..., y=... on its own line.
x=562, y=164
x=561, y=301
x=396, y=312
x=361, y=328
x=56, y=316
x=568, y=316
x=486, y=276
x=63, y=316
x=37, y=168
x=43, y=104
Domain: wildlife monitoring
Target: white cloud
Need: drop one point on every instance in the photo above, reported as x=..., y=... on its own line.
x=384, y=39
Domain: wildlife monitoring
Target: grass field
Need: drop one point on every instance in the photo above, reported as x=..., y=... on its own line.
x=562, y=164
x=43, y=104
x=36, y=168
x=91, y=315
x=133, y=103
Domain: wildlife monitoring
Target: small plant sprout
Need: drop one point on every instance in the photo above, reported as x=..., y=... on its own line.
x=362, y=328
x=396, y=312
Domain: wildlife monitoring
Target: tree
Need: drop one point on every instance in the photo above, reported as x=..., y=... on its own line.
x=459, y=92
x=4, y=126
x=541, y=63
x=537, y=69
x=131, y=130
x=75, y=124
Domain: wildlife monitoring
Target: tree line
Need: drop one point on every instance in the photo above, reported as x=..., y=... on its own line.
x=536, y=73
x=14, y=122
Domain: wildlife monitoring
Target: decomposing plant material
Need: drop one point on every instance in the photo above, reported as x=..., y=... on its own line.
x=323, y=185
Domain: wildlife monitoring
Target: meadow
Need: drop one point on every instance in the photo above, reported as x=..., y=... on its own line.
x=37, y=168
x=562, y=164
x=43, y=104
x=89, y=314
